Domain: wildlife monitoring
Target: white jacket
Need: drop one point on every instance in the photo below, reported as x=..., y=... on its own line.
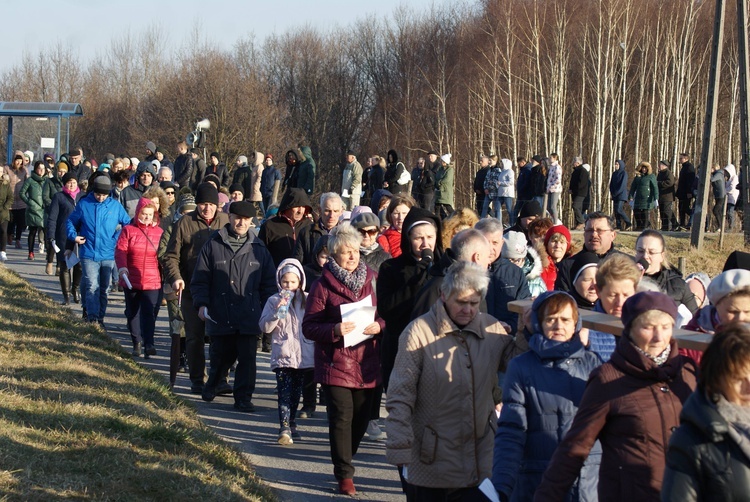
x=732, y=185
x=507, y=180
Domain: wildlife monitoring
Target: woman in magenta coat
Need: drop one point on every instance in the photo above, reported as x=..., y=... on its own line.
x=135, y=257
x=349, y=376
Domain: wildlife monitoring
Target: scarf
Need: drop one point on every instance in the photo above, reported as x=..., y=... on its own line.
x=738, y=418
x=369, y=249
x=73, y=195
x=355, y=281
x=660, y=359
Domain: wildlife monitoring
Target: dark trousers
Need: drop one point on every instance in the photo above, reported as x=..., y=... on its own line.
x=686, y=209
x=309, y=390
x=443, y=211
x=620, y=215
x=578, y=210
x=641, y=219
x=177, y=335
x=17, y=224
x=666, y=214
x=31, y=238
x=289, y=384
x=195, y=344
x=3, y=235
x=717, y=211
x=224, y=351
x=425, y=494
x=348, y=416
x=428, y=201
x=139, y=312
x=480, y=203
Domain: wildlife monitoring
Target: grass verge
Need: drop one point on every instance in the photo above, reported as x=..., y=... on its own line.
x=80, y=419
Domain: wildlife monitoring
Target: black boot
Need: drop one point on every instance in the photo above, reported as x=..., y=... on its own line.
x=65, y=286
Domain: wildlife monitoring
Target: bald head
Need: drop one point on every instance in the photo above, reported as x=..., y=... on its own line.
x=470, y=245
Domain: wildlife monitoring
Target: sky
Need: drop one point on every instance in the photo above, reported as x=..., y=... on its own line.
x=88, y=26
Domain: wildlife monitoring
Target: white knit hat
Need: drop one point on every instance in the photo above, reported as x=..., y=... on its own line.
x=446, y=158
x=514, y=245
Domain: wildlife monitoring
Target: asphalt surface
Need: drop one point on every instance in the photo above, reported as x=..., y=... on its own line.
x=300, y=472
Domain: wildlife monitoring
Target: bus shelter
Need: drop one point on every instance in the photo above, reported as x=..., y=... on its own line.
x=60, y=111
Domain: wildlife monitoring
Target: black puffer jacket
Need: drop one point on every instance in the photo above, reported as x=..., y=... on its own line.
x=399, y=281
x=279, y=233
x=703, y=461
x=394, y=172
x=671, y=282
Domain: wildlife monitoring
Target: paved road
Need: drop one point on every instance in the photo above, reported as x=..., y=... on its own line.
x=301, y=472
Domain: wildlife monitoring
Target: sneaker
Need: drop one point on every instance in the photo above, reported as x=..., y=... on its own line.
x=373, y=431
x=285, y=437
x=306, y=412
x=31, y=256
x=183, y=364
x=3, y=256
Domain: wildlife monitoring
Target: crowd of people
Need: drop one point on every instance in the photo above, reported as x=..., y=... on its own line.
x=384, y=290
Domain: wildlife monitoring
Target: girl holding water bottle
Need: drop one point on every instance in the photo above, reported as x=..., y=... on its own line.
x=291, y=352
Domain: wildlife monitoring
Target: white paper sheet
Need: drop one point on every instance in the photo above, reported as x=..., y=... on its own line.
x=127, y=281
x=54, y=246
x=362, y=313
x=488, y=489
x=345, y=193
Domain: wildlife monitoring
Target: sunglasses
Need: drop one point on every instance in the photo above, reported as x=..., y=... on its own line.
x=368, y=232
x=169, y=192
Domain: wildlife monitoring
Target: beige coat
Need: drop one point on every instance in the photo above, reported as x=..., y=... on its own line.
x=256, y=175
x=441, y=415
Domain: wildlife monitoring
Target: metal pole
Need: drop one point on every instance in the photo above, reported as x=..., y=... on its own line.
x=744, y=115
x=709, y=130
x=9, y=146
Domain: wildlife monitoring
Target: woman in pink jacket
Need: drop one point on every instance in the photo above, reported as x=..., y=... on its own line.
x=135, y=257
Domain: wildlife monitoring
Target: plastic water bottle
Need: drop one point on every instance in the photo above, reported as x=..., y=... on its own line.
x=283, y=310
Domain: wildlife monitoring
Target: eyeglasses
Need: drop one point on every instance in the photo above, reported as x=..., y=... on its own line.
x=371, y=233
x=597, y=231
x=170, y=192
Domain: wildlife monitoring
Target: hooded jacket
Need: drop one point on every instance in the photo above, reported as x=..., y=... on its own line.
x=399, y=281
x=705, y=460
x=31, y=194
x=16, y=180
x=280, y=233
x=732, y=184
x=631, y=406
x=268, y=179
x=50, y=187
x=355, y=367
x=289, y=347
x=233, y=285
x=618, y=183
x=441, y=408
x=137, y=249
x=396, y=174
x=307, y=170
x=99, y=223
x=541, y=393
x=6, y=197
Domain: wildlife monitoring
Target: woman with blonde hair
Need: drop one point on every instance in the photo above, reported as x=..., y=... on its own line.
x=461, y=219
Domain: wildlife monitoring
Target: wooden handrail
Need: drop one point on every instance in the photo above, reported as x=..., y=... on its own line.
x=606, y=323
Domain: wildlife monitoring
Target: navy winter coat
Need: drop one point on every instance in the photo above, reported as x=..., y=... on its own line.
x=507, y=283
x=541, y=393
x=618, y=183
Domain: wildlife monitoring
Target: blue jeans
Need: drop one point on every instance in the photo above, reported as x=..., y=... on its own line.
x=620, y=215
x=95, y=283
x=552, y=200
x=495, y=206
x=508, y=203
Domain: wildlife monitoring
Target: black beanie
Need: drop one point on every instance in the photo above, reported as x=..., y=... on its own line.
x=68, y=177
x=236, y=187
x=530, y=208
x=207, y=193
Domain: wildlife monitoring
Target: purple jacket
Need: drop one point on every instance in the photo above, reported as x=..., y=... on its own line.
x=351, y=367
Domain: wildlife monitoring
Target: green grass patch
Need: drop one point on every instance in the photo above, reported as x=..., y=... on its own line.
x=80, y=419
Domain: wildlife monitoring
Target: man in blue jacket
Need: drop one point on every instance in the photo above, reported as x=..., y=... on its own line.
x=233, y=278
x=95, y=226
x=618, y=189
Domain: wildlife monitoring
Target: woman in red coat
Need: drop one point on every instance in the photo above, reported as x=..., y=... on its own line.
x=349, y=375
x=135, y=257
x=390, y=240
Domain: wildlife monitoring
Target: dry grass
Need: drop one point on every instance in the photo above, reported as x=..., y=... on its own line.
x=79, y=419
x=710, y=259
